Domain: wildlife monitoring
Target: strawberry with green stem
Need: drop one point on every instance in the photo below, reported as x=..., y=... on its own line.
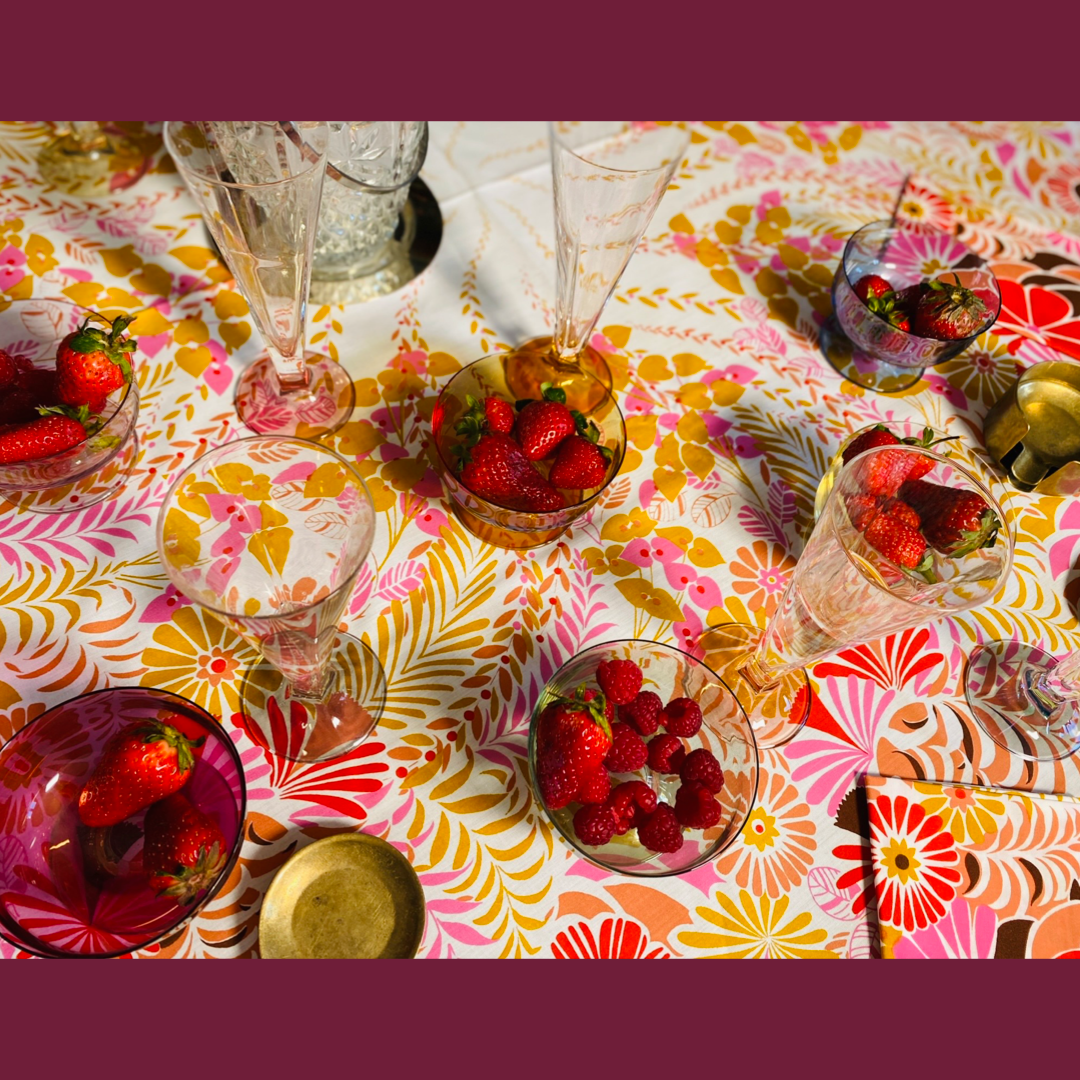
x=901, y=544
x=91, y=363
x=948, y=311
x=955, y=521
x=887, y=471
x=183, y=850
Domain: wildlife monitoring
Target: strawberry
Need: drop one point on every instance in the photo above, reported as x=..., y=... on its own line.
x=184, y=851
x=902, y=512
x=542, y=425
x=862, y=509
x=595, y=787
x=620, y=680
x=91, y=363
x=888, y=471
x=495, y=468
x=8, y=370
x=581, y=730
x=580, y=463
x=871, y=285
x=954, y=521
x=491, y=414
x=140, y=764
x=948, y=312
x=900, y=544
x=31, y=387
x=41, y=438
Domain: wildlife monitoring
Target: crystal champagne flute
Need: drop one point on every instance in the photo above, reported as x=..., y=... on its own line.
x=259, y=184
x=844, y=590
x=609, y=177
x=269, y=534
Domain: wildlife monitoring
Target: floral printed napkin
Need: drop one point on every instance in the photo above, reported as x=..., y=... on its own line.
x=964, y=871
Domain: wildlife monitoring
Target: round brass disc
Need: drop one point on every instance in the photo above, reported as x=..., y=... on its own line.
x=348, y=897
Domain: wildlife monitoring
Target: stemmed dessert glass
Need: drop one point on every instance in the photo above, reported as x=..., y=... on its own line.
x=1025, y=698
x=269, y=534
x=609, y=177
x=844, y=591
x=259, y=184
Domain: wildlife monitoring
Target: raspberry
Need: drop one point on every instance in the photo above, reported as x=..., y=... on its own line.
x=631, y=803
x=594, y=825
x=643, y=712
x=609, y=708
x=682, y=717
x=695, y=806
x=666, y=754
x=595, y=787
x=620, y=680
x=661, y=831
x=558, y=779
x=701, y=765
x=628, y=751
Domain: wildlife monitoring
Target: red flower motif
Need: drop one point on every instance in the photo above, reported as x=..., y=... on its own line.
x=915, y=861
x=1037, y=314
x=619, y=939
x=893, y=662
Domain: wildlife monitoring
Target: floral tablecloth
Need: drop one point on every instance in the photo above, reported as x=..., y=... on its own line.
x=732, y=415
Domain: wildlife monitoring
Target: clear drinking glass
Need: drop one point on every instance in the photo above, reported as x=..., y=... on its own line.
x=370, y=165
x=269, y=535
x=609, y=177
x=259, y=184
x=843, y=591
x=1025, y=698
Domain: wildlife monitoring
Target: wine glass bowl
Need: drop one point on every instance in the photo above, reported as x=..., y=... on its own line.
x=269, y=535
x=92, y=469
x=875, y=354
x=501, y=525
x=70, y=890
x=724, y=732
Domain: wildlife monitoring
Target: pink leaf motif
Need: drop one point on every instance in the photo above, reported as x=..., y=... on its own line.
x=758, y=523
x=781, y=502
x=832, y=900
x=403, y=579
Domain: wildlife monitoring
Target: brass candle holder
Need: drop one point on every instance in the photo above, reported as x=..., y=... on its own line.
x=1033, y=431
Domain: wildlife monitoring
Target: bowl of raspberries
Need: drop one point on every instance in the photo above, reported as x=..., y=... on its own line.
x=68, y=404
x=912, y=299
x=643, y=758
x=518, y=472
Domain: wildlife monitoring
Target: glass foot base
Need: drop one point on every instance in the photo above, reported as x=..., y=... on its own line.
x=98, y=486
x=534, y=363
x=319, y=409
x=997, y=681
x=115, y=163
x=307, y=730
x=776, y=712
x=861, y=368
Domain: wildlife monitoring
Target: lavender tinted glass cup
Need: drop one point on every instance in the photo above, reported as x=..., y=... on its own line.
x=70, y=890
x=879, y=356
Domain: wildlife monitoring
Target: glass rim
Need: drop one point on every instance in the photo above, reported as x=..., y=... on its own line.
x=347, y=584
x=895, y=229
x=536, y=513
x=235, y=185
x=106, y=418
x=982, y=488
x=557, y=139
x=747, y=727
x=222, y=738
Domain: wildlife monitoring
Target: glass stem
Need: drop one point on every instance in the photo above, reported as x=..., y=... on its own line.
x=292, y=372
x=763, y=668
x=1052, y=688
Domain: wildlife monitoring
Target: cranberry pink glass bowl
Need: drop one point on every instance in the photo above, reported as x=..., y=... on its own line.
x=34, y=328
x=725, y=732
x=904, y=257
x=69, y=890
x=498, y=524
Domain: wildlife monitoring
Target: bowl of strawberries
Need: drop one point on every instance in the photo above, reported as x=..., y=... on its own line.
x=906, y=300
x=643, y=758
x=68, y=405
x=121, y=813
x=519, y=472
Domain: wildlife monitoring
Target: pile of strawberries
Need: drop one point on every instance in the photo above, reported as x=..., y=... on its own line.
x=502, y=446
x=145, y=765
x=904, y=516
x=579, y=746
x=45, y=411
x=929, y=309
